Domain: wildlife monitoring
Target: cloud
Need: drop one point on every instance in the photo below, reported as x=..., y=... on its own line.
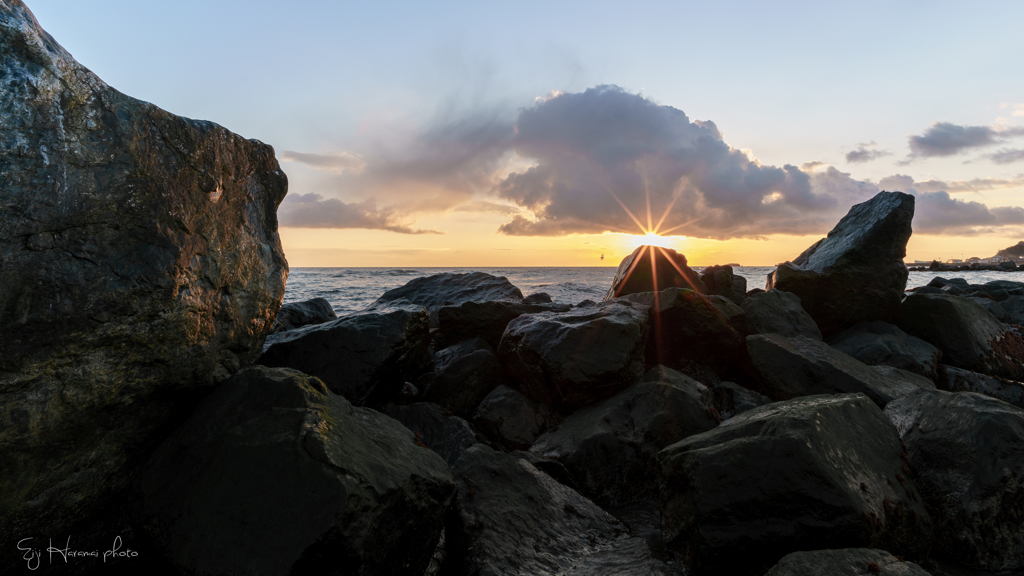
x=863, y=154
x=485, y=206
x=315, y=211
x=938, y=213
x=1018, y=109
x=813, y=165
x=337, y=162
x=947, y=139
x=902, y=182
x=1006, y=156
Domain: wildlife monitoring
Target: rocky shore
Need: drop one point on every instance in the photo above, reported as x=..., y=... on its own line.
x=155, y=393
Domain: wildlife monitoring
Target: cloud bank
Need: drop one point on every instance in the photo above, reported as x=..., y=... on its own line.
x=863, y=154
x=947, y=139
x=315, y=211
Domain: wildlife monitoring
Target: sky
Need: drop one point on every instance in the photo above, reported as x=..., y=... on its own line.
x=552, y=133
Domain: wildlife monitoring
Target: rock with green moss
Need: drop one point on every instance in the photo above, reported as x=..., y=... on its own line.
x=275, y=474
x=141, y=264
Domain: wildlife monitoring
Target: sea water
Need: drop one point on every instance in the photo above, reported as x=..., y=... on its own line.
x=353, y=289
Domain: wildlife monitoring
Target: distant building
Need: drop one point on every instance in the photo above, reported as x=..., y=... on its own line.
x=954, y=261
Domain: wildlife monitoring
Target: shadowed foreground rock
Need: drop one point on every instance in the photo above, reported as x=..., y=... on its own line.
x=812, y=473
x=967, y=457
x=958, y=380
x=446, y=434
x=298, y=314
x=486, y=320
x=512, y=519
x=274, y=474
x=877, y=343
x=511, y=419
x=855, y=274
x=778, y=312
x=140, y=264
x=845, y=562
x=635, y=274
x=464, y=374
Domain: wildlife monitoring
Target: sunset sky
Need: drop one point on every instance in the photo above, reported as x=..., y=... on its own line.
x=537, y=133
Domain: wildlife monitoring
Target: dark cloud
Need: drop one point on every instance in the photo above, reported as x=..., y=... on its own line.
x=315, y=211
x=863, y=154
x=938, y=213
x=1006, y=156
x=902, y=182
x=947, y=139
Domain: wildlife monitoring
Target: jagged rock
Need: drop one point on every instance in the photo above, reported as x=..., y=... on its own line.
x=464, y=374
x=966, y=454
x=856, y=274
x=578, y=357
x=444, y=433
x=538, y=298
x=968, y=336
x=511, y=419
x=844, y=562
x=298, y=314
x=452, y=289
x=731, y=399
x=811, y=473
x=721, y=281
x=510, y=518
x=958, y=380
x=688, y=327
x=635, y=275
x=906, y=378
x=274, y=474
x=610, y=449
x=486, y=320
x=366, y=357
x=778, y=312
x=793, y=367
x=877, y=343
x=141, y=264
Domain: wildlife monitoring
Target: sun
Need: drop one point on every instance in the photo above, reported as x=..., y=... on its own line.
x=652, y=239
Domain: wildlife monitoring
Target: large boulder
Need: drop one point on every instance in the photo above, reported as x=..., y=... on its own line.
x=486, y=320
x=1014, y=309
x=688, y=328
x=967, y=334
x=731, y=399
x=855, y=274
x=512, y=519
x=366, y=357
x=845, y=562
x=441, y=431
x=576, y=358
x=652, y=269
x=966, y=454
x=274, y=474
x=958, y=380
x=511, y=419
x=463, y=375
x=298, y=314
x=800, y=366
x=812, y=473
x=882, y=343
x=141, y=264
x=451, y=288
x=779, y=312
x=611, y=449
x=720, y=281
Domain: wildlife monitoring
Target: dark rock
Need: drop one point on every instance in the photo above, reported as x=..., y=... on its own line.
x=611, y=449
x=967, y=457
x=953, y=290
x=905, y=378
x=778, y=312
x=511, y=518
x=486, y=320
x=585, y=303
x=635, y=273
x=511, y=419
x=578, y=357
x=844, y=562
x=928, y=290
x=793, y=367
x=731, y=399
x=274, y=474
x=968, y=336
x=538, y=298
x=940, y=282
x=720, y=281
x=811, y=473
x=463, y=375
x=1014, y=309
x=959, y=380
x=856, y=274
x=298, y=314
x=441, y=431
x=549, y=466
x=877, y=343
x=366, y=357
x=140, y=265
x=688, y=327
x=739, y=286
x=452, y=289
x=993, y=307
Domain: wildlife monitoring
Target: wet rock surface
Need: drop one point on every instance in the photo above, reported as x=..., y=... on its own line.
x=437, y=429
x=511, y=419
x=958, y=380
x=578, y=357
x=298, y=314
x=813, y=473
x=731, y=399
x=366, y=357
x=450, y=288
x=463, y=375
x=141, y=264
x=844, y=562
x=779, y=312
x=877, y=343
x=855, y=274
x=966, y=454
x=636, y=274
x=486, y=320
x=274, y=474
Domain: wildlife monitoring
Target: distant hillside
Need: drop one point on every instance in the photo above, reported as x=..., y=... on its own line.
x=1015, y=251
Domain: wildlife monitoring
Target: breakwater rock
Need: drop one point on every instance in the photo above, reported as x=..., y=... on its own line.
x=141, y=264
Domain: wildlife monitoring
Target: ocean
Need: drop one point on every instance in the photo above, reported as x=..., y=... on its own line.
x=353, y=289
